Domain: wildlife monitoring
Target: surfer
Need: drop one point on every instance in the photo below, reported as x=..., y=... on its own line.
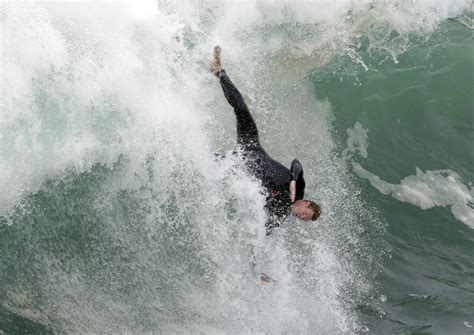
x=285, y=187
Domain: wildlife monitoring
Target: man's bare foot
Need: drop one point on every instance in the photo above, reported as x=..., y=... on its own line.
x=216, y=61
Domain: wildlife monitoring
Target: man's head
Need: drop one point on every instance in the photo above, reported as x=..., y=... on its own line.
x=306, y=210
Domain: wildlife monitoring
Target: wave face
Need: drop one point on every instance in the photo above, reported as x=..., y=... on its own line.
x=123, y=208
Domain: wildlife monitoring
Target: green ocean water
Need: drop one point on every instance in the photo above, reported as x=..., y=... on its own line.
x=419, y=114
x=116, y=216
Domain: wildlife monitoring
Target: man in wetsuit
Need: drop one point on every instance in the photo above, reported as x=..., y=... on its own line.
x=285, y=187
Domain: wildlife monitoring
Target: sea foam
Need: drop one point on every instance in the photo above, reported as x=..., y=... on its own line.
x=424, y=189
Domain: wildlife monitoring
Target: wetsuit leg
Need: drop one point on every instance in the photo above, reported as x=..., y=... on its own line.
x=247, y=132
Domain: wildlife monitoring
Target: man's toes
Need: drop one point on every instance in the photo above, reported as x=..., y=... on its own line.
x=217, y=51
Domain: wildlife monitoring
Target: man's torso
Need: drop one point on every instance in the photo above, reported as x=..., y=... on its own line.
x=275, y=178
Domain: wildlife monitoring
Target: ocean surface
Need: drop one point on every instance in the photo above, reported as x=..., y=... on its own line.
x=123, y=208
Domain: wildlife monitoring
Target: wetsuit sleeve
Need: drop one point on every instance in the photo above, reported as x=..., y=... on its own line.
x=296, y=169
x=247, y=132
x=297, y=174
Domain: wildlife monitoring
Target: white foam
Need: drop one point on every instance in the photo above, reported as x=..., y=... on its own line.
x=424, y=189
x=64, y=67
x=388, y=24
x=357, y=140
x=427, y=190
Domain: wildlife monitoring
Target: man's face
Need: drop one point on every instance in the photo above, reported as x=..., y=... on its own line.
x=302, y=211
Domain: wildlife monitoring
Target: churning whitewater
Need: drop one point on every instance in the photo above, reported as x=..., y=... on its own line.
x=123, y=208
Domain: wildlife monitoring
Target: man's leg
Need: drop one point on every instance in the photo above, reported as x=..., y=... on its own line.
x=247, y=132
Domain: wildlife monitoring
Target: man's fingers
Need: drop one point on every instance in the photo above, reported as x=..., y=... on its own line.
x=292, y=190
x=266, y=278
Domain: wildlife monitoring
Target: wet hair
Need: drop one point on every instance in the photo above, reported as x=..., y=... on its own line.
x=316, y=210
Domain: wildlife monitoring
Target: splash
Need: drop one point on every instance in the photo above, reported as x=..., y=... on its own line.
x=109, y=125
x=357, y=141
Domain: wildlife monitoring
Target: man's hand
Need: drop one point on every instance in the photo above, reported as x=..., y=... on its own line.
x=216, y=61
x=293, y=190
x=266, y=278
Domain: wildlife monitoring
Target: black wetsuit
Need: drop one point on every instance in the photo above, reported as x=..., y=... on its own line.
x=274, y=176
